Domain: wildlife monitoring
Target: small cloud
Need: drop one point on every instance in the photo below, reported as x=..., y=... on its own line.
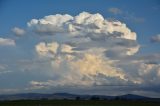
x=4, y=72
x=132, y=17
x=9, y=90
x=115, y=11
x=155, y=39
x=156, y=7
x=2, y=67
x=18, y=31
x=138, y=19
x=7, y=42
x=126, y=15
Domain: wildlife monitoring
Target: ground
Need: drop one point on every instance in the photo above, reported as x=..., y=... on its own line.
x=77, y=103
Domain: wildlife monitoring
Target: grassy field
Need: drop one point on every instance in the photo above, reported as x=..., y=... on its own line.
x=76, y=103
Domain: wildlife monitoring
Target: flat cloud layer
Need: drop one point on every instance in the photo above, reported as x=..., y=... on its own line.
x=7, y=42
x=155, y=38
x=115, y=11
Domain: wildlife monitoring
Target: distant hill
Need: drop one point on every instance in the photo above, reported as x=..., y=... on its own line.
x=131, y=96
x=39, y=96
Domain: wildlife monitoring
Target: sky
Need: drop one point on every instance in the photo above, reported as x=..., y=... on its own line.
x=109, y=47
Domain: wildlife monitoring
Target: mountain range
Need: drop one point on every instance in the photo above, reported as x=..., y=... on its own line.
x=68, y=96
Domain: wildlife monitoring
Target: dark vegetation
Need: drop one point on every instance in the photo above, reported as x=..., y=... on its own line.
x=78, y=103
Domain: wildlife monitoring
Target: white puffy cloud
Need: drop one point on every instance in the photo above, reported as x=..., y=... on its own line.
x=92, y=64
x=50, y=24
x=66, y=48
x=47, y=48
x=141, y=70
x=82, y=24
x=18, y=31
x=149, y=73
x=72, y=66
x=7, y=42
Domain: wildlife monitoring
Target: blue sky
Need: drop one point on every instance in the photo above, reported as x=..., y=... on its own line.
x=19, y=12
x=24, y=68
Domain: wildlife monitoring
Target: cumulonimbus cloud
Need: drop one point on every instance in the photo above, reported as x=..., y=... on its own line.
x=83, y=54
x=88, y=50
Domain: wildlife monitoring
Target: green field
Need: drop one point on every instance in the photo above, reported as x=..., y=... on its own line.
x=76, y=103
